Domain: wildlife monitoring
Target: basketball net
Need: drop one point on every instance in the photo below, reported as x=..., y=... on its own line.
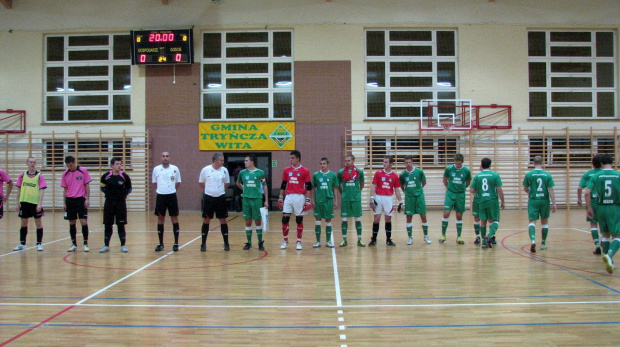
x=447, y=128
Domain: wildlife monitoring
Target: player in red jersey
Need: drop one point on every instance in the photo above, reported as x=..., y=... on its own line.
x=296, y=182
x=384, y=185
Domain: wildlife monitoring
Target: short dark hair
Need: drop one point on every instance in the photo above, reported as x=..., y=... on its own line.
x=596, y=161
x=390, y=158
x=252, y=158
x=606, y=159
x=538, y=160
x=407, y=157
x=296, y=153
x=485, y=163
x=69, y=159
x=325, y=160
x=115, y=159
x=459, y=157
x=350, y=156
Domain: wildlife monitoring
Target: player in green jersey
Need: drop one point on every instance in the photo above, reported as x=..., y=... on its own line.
x=324, y=182
x=488, y=186
x=412, y=182
x=538, y=184
x=606, y=183
x=252, y=181
x=596, y=167
x=456, y=179
x=351, y=183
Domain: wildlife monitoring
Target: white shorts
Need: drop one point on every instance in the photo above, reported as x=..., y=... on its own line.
x=385, y=204
x=294, y=204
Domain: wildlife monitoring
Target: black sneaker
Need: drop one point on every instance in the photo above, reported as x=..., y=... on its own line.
x=247, y=246
x=159, y=248
x=175, y=248
x=533, y=248
x=261, y=247
x=390, y=243
x=597, y=250
x=492, y=240
x=477, y=241
x=490, y=243
x=203, y=248
x=226, y=247
x=372, y=243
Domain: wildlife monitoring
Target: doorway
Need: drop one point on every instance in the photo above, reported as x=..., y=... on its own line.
x=235, y=163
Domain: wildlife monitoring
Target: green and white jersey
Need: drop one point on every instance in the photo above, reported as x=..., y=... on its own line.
x=606, y=183
x=485, y=184
x=538, y=182
x=584, y=182
x=351, y=188
x=324, y=184
x=252, y=182
x=411, y=182
x=457, y=178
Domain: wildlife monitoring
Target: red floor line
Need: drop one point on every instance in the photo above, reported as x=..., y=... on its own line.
x=35, y=327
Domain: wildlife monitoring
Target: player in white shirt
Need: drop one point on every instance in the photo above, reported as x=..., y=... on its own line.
x=214, y=179
x=167, y=179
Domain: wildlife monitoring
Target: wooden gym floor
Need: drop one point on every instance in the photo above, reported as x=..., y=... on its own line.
x=437, y=294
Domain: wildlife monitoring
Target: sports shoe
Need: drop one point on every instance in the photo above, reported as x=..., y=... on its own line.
x=427, y=239
x=477, y=240
x=19, y=247
x=73, y=248
x=159, y=248
x=372, y=243
x=316, y=245
x=410, y=241
x=484, y=244
x=597, y=250
x=533, y=248
x=104, y=249
x=493, y=240
x=261, y=246
x=247, y=246
x=226, y=247
x=442, y=239
x=390, y=243
x=543, y=246
x=283, y=245
x=39, y=247
x=86, y=248
x=489, y=243
x=344, y=243
x=329, y=244
x=460, y=241
x=298, y=246
x=361, y=243
x=203, y=248
x=609, y=263
x=175, y=248
x=124, y=249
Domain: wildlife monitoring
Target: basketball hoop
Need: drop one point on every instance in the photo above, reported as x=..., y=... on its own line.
x=447, y=128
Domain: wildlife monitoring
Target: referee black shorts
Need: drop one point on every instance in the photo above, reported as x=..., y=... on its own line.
x=167, y=202
x=211, y=205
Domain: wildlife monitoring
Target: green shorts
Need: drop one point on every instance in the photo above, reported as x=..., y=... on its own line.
x=454, y=201
x=351, y=209
x=251, y=208
x=593, y=220
x=538, y=208
x=324, y=210
x=609, y=219
x=489, y=210
x=415, y=205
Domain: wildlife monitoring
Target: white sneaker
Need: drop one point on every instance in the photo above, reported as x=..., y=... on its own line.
x=104, y=249
x=543, y=246
x=298, y=247
x=427, y=239
x=609, y=263
x=39, y=247
x=283, y=246
x=329, y=244
x=316, y=245
x=19, y=247
x=73, y=248
x=410, y=241
x=124, y=249
x=86, y=248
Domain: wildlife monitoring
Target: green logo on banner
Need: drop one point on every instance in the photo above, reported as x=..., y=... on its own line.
x=280, y=136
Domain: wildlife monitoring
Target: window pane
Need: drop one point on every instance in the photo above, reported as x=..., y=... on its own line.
x=536, y=44
x=88, y=100
x=282, y=44
x=375, y=43
x=121, y=79
x=411, y=81
x=445, y=44
x=235, y=83
x=446, y=74
x=282, y=105
x=375, y=75
x=88, y=55
x=604, y=44
x=400, y=112
x=212, y=106
x=244, y=113
x=121, y=107
x=605, y=75
x=99, y=40
x=122, y=47
x=212, y=76
x=411, y=66
x=282, y=75
x=78, y=71
x=88, y=115
x=538, y=104
x=571, y=82
x=571, y=52
x=571, y=97
x=410, y=97
x=446, y=96
x=247, y=68
x=582, y=112
x=79, y=86
x=570, y=36
x=401, y=51
x=247, y=98
x=375, y=104
x=605, y=104
x=538, y=74
x=247, y=37
x=212, y=45
x=605, y=145
x=247, y=52
x=55, y=108
x=55, y=79
x=55, y=48
x=411, y=36
x=571, y=67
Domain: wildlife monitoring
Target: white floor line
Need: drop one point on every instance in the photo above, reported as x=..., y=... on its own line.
x=336, y=277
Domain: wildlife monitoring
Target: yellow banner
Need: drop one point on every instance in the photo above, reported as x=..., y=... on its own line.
x=246, y=136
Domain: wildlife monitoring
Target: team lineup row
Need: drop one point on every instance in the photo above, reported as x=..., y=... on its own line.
x=301, y=191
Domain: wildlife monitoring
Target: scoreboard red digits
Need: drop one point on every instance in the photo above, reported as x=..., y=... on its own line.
x=161, y=47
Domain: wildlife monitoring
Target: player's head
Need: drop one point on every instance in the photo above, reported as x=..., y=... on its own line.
x=538, y=160
x=32, y=163
x=250, y=161
x=324, y=163
x=70, y=162
x=349, y=160
x=218, y=160
x=458, y=160
x=606, y=159
x=409, y=162
x=165, y=158
x=388, y=160
x=485, y=163
x=116, y=164
x=596, y=161
x=295, y=156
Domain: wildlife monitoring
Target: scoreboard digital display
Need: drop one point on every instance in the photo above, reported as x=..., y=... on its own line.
x=162, y=47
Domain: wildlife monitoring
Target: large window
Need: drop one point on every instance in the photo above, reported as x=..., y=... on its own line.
x=87, y=78
x=406, y=66
x=91, y=153
x=577, y=151
x=572, y=74
x=247, y=75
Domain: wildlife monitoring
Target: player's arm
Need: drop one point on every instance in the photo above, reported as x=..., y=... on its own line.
x=445, y=182
x=239, y=182
x=500, y=194
x=17, y=205
x=588, y=198
x=128, y=187
x=8, y=190
x=423, y=183
x=40, y=203
x=579, y=191
x=64, y=198
x=373, y=188
x=552, y=197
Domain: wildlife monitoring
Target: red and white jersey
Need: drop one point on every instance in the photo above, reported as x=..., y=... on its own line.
x=296, y=179
x=385, y=182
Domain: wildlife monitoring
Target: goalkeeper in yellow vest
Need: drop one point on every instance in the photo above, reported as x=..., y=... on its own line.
x=30, y=186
